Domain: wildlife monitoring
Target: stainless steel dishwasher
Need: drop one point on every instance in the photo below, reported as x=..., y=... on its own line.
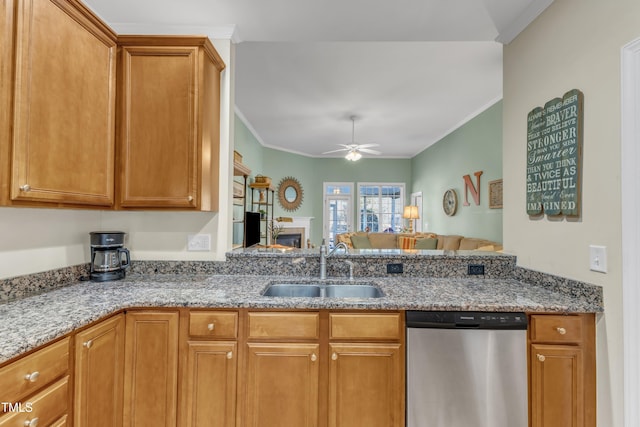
x=466, y=369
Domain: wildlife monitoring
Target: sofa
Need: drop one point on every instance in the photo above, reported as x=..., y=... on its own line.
x=365, y=240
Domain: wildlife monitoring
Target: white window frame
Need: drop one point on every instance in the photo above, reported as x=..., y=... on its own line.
x=379, y=184
x=325, y=204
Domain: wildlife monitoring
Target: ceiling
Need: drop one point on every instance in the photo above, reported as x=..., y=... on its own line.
x=411, y=71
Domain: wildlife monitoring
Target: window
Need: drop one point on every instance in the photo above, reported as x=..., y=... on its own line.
x=380, y=207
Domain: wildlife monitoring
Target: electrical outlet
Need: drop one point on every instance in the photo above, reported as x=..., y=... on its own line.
x=598, y=258
x=475, y=269
x=199, y=242
x=395, y=268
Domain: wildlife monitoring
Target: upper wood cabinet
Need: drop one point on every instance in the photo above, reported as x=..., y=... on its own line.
x=58, y=96
x=168, y=123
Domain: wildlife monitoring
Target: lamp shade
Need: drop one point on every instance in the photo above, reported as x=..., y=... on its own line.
x=410, y=212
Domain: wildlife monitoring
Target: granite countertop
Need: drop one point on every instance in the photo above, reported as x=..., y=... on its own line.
x=35, y=320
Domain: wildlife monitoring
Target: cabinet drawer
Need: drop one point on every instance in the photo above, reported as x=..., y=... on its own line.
x=376, y=326
x=32, y=372
x=47, y=406
x=556, y=328
x=278, y=325
x=213, y=324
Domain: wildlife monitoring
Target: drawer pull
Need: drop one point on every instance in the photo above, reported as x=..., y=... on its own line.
x=230, y=355
x=314, y=357
x=32, y=422
x=32, y=377
x=25, y=187
x=334, y=356
x=87, y=344
x=561, y=331
x=211, y=326
x=541, y=357
x=190, y=198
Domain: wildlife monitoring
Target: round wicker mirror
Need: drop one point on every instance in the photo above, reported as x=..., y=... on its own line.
x=290, y=193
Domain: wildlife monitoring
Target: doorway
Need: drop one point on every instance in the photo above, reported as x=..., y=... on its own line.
x=337, y=215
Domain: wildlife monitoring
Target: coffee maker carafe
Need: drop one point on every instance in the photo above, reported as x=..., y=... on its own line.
x=109, y=257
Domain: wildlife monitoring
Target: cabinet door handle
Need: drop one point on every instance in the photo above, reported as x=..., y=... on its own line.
x=25, y=187
x=32, y=377
x=314, y=357
x=211, y=326
x=87, y=344
x=561, y=331
x=190, y=198
x=32, y=422
x=541, y=357
x=334, y=356
x=230, y=355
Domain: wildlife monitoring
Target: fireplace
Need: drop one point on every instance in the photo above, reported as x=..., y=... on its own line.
x=290, y=239
x=291, y=236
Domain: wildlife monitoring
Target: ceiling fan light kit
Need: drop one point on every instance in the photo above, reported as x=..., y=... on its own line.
x=353, y=156
x=354, y=151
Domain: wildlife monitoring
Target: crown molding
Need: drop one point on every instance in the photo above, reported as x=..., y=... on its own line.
x=532, y=11
x=220, y=32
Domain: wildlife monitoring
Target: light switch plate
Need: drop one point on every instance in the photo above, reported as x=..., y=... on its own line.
x=199, y=242
x=598, y=258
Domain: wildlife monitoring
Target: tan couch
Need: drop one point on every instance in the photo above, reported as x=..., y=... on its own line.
x=408, y=241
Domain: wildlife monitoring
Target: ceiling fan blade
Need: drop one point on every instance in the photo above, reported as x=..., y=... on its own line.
x=368, y=145
x=335, y=151
x=366, y=150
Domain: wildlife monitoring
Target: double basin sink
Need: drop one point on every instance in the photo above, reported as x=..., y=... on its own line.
x=317, y=290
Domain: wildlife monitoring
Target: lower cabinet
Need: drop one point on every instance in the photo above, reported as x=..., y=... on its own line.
x=99, y=368
x=282, y=385
x=338, y=369
x=209, y=377
x=366, y=385
x=562, y=389
x=151, y=369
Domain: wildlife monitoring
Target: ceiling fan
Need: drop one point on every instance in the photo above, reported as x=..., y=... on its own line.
x=354, y=151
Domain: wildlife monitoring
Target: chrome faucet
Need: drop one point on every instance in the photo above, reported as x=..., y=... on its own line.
x=324, y=255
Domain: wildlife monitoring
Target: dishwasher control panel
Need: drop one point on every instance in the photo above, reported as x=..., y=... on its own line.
x=466, y=320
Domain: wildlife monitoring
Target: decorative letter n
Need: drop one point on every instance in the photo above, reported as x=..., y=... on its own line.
x=475, y=191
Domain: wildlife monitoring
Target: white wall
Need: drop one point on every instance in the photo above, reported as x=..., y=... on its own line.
x=35, y=240
x=574, y=44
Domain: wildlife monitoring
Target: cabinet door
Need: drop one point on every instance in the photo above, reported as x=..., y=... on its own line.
x=210, y=398
x=99, y=374
x=366, y=385
x=64, y=106
x=159, y=134
x=282, y=385
x=151, y=369
x=557, y=388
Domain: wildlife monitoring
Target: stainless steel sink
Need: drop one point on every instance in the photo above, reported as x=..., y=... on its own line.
x=352, y=291
x=292, y=290
x=311, y=290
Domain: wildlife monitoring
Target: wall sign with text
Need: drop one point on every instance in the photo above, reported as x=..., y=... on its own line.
x=554, y=156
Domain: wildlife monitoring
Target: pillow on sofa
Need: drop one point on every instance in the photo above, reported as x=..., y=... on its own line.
x=449, y=243
x=430, y=243
x=406, y=242
x=360, y=242
x=383, y=240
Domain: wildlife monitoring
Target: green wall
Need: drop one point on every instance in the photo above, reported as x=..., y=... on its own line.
x=475, y=146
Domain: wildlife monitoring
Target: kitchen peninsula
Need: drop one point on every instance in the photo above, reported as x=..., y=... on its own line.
x=217, y=309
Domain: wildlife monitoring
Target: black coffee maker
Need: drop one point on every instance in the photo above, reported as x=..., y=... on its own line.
x=109, y=257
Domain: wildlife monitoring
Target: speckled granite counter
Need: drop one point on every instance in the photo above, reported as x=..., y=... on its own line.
x=35, y=320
